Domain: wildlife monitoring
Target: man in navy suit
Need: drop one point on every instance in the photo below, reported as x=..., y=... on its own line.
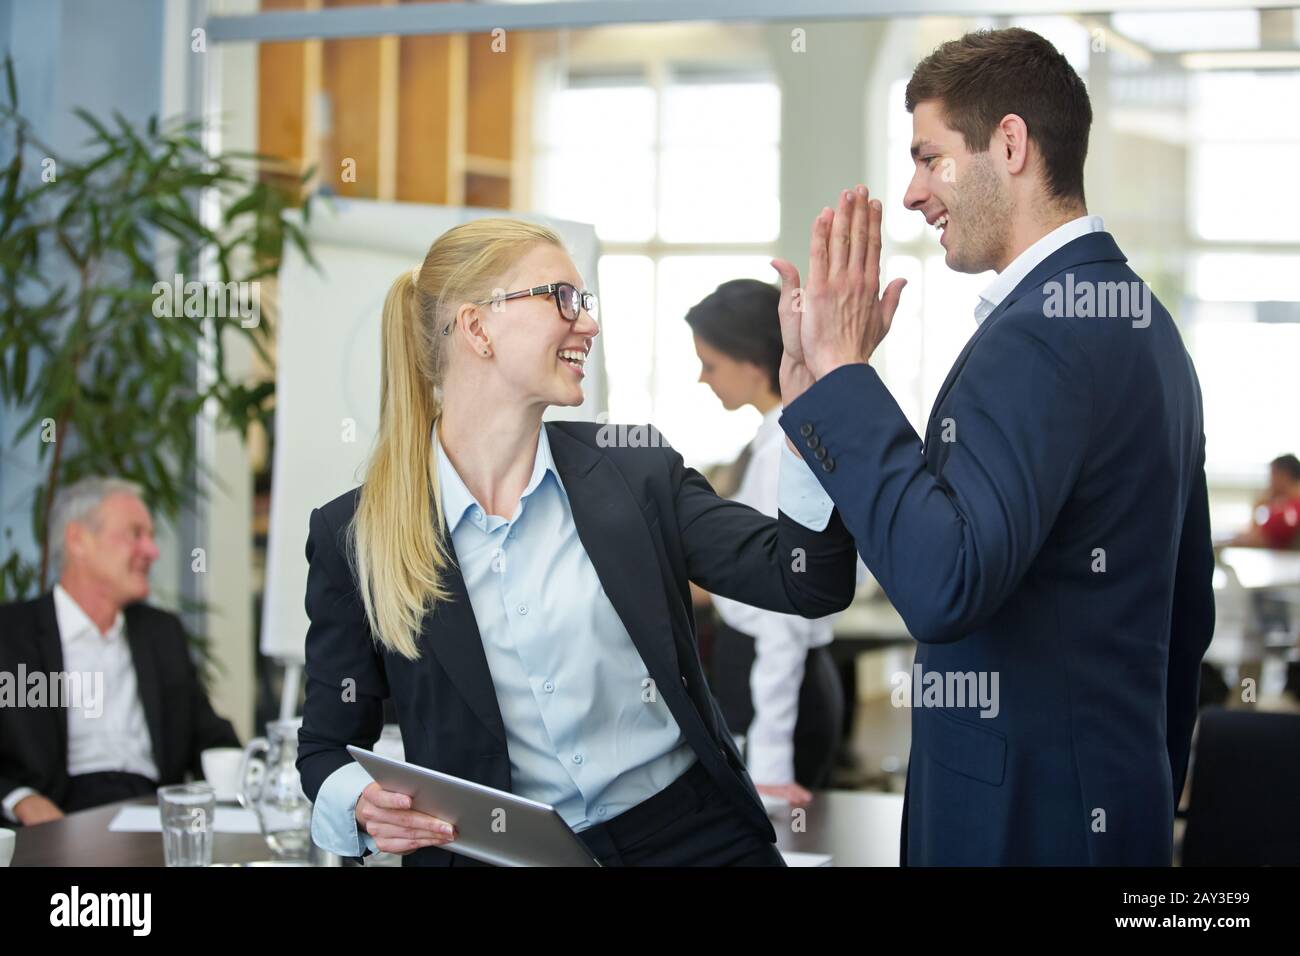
x=1048, y=543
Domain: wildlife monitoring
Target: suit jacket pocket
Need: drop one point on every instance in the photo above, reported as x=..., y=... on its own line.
x=963, y=747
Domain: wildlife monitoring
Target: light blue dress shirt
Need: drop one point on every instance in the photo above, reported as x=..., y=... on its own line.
x=584, y=731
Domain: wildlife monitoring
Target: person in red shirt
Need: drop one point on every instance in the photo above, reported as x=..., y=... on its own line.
x=1277, y=515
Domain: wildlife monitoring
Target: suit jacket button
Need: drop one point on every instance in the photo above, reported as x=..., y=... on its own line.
x=828, y=464
x=820, y=453
x=813, y=441
x=805, y=429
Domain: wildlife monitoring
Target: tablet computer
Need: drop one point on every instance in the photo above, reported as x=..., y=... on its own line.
x=492, y=825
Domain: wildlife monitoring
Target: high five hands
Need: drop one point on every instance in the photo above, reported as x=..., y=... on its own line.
x=840, y=316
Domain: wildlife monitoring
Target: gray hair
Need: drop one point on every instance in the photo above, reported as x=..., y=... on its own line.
x=79, y=502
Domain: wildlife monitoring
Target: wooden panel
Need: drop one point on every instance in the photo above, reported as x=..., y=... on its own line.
x=422, y=119
x=437, y=119
x=521, y=159
x=280, y=101
x=351, y=72
x=489, y=130
x=389, y=87
x=492, y=192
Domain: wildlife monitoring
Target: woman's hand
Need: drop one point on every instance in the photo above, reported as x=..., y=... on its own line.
x=387, y=817
x=795, y=378
x=791, y=793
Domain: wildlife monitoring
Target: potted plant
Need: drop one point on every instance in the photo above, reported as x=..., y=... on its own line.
x=117, y=296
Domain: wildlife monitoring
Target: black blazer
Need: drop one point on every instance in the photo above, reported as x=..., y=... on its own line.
x=649, y=524
x=34, y=740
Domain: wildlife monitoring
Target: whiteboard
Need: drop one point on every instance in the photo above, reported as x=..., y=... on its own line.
x=327, y=354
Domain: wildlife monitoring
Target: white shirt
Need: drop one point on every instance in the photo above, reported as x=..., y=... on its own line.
x=1023, y=264
x=106, y=724
x=781, y=641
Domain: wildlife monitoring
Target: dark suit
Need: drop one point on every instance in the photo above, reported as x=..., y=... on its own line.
x=34, y=740
x=1055, y=444
x=648, y=524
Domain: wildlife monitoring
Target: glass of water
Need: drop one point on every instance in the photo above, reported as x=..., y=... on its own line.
x=187, y=811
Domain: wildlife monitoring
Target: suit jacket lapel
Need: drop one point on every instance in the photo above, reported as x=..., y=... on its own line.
x=147, y=683
x=608, y=519
x=50, y=648
x=1093, y=247
x=452, y=633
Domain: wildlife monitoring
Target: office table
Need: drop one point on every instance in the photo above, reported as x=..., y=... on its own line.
x=856, y=828
x=1262, y=569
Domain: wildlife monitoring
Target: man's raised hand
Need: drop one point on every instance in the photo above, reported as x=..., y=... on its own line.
x=843, y=318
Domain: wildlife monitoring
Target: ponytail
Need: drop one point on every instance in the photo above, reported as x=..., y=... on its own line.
x=398, y=553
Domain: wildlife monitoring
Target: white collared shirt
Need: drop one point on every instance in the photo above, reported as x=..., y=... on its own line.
x=781, y=641
x=106, y=724
x=1023, y=264
x=108, y=734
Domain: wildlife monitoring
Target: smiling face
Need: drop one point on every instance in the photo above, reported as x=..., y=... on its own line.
x=960, y=192
x=537, y=354
x=114, y=549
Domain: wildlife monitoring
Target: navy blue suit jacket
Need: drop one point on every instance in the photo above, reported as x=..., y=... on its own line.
x=649, y=524
x=1053, y=530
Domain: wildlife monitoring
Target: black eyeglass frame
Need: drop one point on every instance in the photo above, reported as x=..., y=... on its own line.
x=586, y=300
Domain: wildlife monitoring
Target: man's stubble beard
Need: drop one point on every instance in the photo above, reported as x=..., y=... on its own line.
x=982, y=210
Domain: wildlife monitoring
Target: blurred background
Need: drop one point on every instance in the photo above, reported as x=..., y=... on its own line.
x=700, y=140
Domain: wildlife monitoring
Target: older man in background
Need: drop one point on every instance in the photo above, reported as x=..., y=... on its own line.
x=105, y=703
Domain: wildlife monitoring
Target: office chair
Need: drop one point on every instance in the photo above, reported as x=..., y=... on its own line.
x=1245, y=798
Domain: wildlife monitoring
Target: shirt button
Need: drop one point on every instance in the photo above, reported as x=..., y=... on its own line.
x=511, y=534
x=523, y=609
x=577, y=758
x=600, y=812
x=477, y=514
x=548, y=687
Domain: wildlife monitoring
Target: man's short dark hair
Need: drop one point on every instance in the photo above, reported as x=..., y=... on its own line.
x=985, y=75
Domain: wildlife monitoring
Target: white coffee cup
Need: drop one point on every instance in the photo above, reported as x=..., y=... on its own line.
x=7, y=840
x=221, y=769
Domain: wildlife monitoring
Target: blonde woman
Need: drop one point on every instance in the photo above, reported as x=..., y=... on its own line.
x=520, y=590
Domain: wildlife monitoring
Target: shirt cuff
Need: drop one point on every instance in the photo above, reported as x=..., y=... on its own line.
x=333, y=816
x=801, y=495
x=771, y=763
x=12, y=799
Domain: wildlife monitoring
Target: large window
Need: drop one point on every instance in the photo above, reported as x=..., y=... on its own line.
x=678, y=170
x=1243, y=284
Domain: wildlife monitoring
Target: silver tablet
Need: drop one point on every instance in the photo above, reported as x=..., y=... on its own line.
x=491, y=825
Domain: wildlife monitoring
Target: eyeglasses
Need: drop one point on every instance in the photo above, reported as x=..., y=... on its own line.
x=570, y=301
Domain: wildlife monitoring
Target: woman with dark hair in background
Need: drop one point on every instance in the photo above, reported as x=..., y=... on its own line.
x=772, y=673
